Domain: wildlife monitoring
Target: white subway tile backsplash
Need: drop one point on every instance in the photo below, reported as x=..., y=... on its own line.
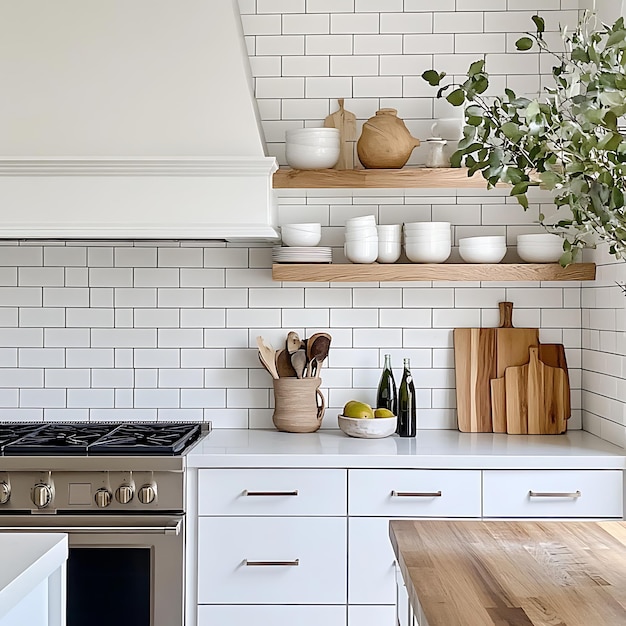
x=378, y=44
x=377, y=337
x=21, y=256
x=123, y=338
x=8, y=276
x=326, y=45
x=180, y=337
x=302, y=66
x=34, y=317
x=134, y=257
x=20, y=296
x=261, y=24
x=21, y=337
x=203, y=398
x=40, y=398
x=41, y=357
x=354, y=23
x=458, y=22
x=21, y=378
x=179, y=298
x=40, y=276
x=363, y=65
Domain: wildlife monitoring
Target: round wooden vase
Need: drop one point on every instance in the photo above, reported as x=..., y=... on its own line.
x=385, y=142
x=298, y=404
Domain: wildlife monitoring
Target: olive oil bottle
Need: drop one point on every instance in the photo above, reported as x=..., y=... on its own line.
x=387, y=395
x=407, y=405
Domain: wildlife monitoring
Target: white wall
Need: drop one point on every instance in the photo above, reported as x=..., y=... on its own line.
x=167, y=330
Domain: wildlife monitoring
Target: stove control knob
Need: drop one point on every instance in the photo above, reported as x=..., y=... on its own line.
x=124, y=494
x=42, y=495
x=5, y=492
x=103, y=498
x=147, y=494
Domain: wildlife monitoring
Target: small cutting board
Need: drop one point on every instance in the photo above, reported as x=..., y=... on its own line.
x=536, y=397
x=345, y=121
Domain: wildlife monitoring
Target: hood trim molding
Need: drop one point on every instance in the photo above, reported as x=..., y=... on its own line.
x=139, y=198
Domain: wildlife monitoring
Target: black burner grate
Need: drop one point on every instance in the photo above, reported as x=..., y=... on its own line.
x=97, y=438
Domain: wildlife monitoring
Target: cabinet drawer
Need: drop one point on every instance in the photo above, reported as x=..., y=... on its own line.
x=371, y=562
x=272, y=492
x=270, y=560
x=553, y=493
x=414, y=493
x=265, y=615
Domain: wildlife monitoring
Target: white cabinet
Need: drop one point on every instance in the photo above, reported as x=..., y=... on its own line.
x=272, y=547
x=414, y=493
x=553, y=493
x=371, y=615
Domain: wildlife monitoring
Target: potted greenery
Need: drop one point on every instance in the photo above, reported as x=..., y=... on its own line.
x=567, y=140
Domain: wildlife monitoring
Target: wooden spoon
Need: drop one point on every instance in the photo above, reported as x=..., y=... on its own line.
x=298, y=360
x=283, y=364
x=268, y=356
x=293, y=342
x=318, y=351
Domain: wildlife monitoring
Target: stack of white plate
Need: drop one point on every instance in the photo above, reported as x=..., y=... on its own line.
x=301, y=254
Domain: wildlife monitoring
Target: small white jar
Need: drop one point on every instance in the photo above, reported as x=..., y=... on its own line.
x=436, y=155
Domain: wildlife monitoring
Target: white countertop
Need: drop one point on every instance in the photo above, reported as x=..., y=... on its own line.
x=27, y=560
x=430, y=449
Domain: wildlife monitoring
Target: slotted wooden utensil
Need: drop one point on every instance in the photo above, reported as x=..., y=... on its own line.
x=299, y=362
x=268, y=356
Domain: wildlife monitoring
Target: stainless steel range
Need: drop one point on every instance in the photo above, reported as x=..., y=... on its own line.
x=118, y=490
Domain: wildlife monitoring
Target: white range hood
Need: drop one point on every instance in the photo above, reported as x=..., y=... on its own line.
x=130, y=119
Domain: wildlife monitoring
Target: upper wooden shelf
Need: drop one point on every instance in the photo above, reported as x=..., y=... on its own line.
x=405, y=178
x=374, y=272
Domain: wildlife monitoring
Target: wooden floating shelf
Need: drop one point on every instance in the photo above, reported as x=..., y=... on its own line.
x=405, y=178
x=374, y=272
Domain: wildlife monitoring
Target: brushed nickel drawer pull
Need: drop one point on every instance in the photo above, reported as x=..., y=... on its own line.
x=416, y=494
x=554, y=494
x=270, y=493
x=271, y=563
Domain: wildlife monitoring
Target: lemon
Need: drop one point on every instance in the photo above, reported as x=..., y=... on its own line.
x=383, y=413
x=354, y=408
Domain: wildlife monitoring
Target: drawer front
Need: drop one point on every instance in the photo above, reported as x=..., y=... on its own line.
x=371, y=562
x=272, y=492
x=553, y=493
x=415, y=493
x=270, y=560
x=372, y=616
x=265, y=615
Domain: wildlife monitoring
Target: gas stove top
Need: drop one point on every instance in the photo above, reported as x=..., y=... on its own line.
x=97, y=438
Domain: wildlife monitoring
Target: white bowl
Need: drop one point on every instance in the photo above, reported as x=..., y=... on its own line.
x=428, y=252
x=495, y=241
x=361, y=251
x=391, y=230
x=388, y=251
x=361, y=236
x=486, y=254
x=320, y=142
x=298, y=237
x=429, y=237
x=361, y=220
x=313, y=131
x=311, y=227
x=540, y=254
x=376, y=428
x=310, y=157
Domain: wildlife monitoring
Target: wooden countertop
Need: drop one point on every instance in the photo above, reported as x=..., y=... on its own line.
x=467, y=573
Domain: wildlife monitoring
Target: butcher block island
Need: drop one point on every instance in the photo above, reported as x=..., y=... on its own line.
x=473, y=573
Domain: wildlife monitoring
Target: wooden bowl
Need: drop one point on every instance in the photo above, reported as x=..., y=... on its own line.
x=376, y=428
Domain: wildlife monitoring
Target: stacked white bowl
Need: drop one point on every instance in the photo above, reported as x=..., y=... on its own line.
x=389, y=242
x=482, y=249
x=427, y=242
x=312, y=148
x=361, y=244
x=540, y=248
x=308, y=234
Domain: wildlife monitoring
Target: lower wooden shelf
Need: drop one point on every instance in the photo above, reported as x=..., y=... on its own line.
x=375, y=272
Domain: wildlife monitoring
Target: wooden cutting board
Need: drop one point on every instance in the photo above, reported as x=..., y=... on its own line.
x=345, y=121
x=512, y=346
x=536, y=397
x=553, y=354
x=481, y=356
x=475, y=365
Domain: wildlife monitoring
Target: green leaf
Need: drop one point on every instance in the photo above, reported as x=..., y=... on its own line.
x=456, y=159
x=539, y=23
x=522, y=199
x=524, y=43
x=520, y=188
x=549, y=180
x=433, y=78
x=456, y=98
x=443, y=90
x=579, y=54
x=476, y=68
x=610, y=142
x=512, y=131
x=469, y=133
x=617, y=37
x=481, y=84
x=566, y=259
x=617, y=198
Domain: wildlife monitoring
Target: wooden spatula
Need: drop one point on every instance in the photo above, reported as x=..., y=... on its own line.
x=268, y=356
x=283, y=364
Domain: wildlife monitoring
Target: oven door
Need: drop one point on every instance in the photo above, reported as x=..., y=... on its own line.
x=122, y=570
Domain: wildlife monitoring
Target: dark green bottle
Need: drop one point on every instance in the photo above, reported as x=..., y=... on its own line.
x=407, y=405
x=387, y=396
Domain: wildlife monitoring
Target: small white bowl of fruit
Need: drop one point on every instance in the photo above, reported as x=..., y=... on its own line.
x=361, y=420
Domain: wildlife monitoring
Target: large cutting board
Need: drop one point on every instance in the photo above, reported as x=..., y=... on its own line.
x=475, y=365
x=481, y=356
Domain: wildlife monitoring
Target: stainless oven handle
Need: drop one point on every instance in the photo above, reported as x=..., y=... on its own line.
x=173, y=529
